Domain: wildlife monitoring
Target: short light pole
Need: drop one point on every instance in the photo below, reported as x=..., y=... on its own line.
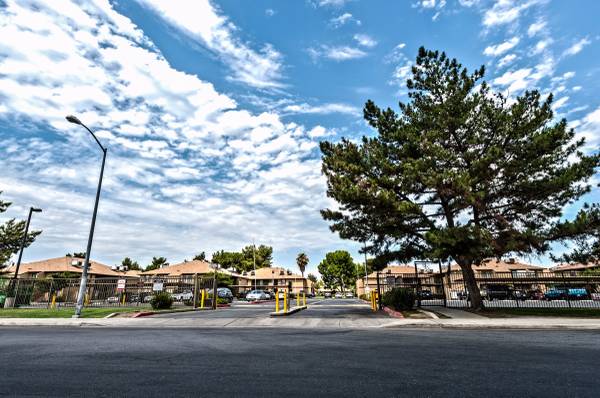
x=366, y=276
x=23, y=243
x=254, y=262
x=24, y=239
x=86, y=264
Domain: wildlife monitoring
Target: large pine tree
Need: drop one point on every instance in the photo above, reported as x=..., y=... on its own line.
x=461, y=173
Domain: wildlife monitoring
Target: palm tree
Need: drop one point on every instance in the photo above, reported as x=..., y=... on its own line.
x=302, y=261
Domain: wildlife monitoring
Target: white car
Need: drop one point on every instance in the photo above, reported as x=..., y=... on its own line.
x=255, y=295
x=339, y=295
x=349, y=295
x=184, y=296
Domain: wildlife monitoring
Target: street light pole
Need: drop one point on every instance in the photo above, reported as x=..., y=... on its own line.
x=86, y=264
x=366, y=276
x=254, y=261
x=24, y=239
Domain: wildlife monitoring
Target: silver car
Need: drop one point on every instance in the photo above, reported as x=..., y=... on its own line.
x=255, y=295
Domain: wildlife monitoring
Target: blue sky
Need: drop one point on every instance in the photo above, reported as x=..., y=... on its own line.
x=212, y=110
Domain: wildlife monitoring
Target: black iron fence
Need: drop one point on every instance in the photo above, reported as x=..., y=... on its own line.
x=101, y=292
x=502, y=289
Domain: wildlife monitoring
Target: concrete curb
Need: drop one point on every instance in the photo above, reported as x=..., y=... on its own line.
x=112, y=315
x=428, y=313
x=289, y=312
x=150, y=313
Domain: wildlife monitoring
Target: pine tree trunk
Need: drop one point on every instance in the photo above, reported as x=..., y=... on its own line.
x=472, y=288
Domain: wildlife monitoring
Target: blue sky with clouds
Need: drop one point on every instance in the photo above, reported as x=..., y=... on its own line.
x=212, y=110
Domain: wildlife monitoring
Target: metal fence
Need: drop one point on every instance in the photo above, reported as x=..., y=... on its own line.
x=503, y=290
x=53, y=292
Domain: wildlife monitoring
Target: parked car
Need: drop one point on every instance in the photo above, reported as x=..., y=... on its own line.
x=555, y=294
x=349, y=295
x=536, y=295
x=269, y=294
x=113, y=300
x=183, y=296
x=578, y=294
x=327, y=294
x=425, y=294
x=520, y=295
x=281, y=295
x=339, y=295
x=255, y=295
x=498, y=292
x=225, y=293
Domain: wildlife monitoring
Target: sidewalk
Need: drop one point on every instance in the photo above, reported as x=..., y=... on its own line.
x=292, y=322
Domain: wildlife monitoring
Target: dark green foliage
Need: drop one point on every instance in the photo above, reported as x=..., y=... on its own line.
x=461, y=172
x=200, y=256
x=244, y=260
x=584, y=233
x=312, y=278
x=76, y=255
x=11, y=234
x=161, y=301
x=157, y=262
x=223, y=279
x=302, y=262
x=130, y=264
x=399, y=299
x=338, y=270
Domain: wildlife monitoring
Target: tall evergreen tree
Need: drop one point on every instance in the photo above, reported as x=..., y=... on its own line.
x=461, y=173
x=584, y=234
x=200, y=256
x=338, y=270
x=157, y=262
x=130, y=264
x=11, y=234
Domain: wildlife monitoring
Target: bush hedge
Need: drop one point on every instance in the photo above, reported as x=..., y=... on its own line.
x=161, y=301
x=399, y=299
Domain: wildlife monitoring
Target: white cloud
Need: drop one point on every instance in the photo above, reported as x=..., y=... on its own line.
x=506, y=11
x=322, y=109
x=541, y=46
x=577, y=47
x=332, y=3
x=536, y=28
x=201, y=21
x=336, y=53
x=427, y=3
x=365, y=40
x=468, y=3
x=501, y=48
x=589, y=128
x=507, y=59
x=185, y=163
x=269, y=12
x=343, y=19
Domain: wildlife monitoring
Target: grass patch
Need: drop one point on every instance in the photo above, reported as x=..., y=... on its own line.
x=61, y=312
x=557, y=312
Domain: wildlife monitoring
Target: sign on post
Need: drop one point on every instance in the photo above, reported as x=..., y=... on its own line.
x=121, y=284
x=157, y=287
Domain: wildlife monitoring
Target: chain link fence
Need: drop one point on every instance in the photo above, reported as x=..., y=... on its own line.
x=519, y=289
x=56, y=292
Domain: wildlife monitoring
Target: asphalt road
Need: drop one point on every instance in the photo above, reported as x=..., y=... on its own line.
x=281, y=362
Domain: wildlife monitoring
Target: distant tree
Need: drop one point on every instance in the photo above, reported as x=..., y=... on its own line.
x=461, y=173
x=264, y=257
x=157, y=262
x=11, y=234
x=130, y=264
x=338, y=270
x=76, y=255
x=228, y=259
x=244, y=261
x=313, y=278
x=200, y=257
x=223, y=279
x=302, y=262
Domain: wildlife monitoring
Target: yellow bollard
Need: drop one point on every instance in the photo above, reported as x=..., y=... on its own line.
x=285, y=301
x=202, y=299
x=53, y=301
x=86, y=301
x=277, y=301
x=304, y=299
x=123, y=301
x=298, y=300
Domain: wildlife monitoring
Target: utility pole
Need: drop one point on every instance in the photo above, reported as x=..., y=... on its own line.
x=254, y=261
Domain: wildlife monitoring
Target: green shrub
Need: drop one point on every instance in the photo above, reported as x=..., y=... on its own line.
x=366, y=297
x=161, y=301
x=399, y=299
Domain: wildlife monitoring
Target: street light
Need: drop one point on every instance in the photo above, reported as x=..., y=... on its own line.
x=23, y=241
x=86, y=264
